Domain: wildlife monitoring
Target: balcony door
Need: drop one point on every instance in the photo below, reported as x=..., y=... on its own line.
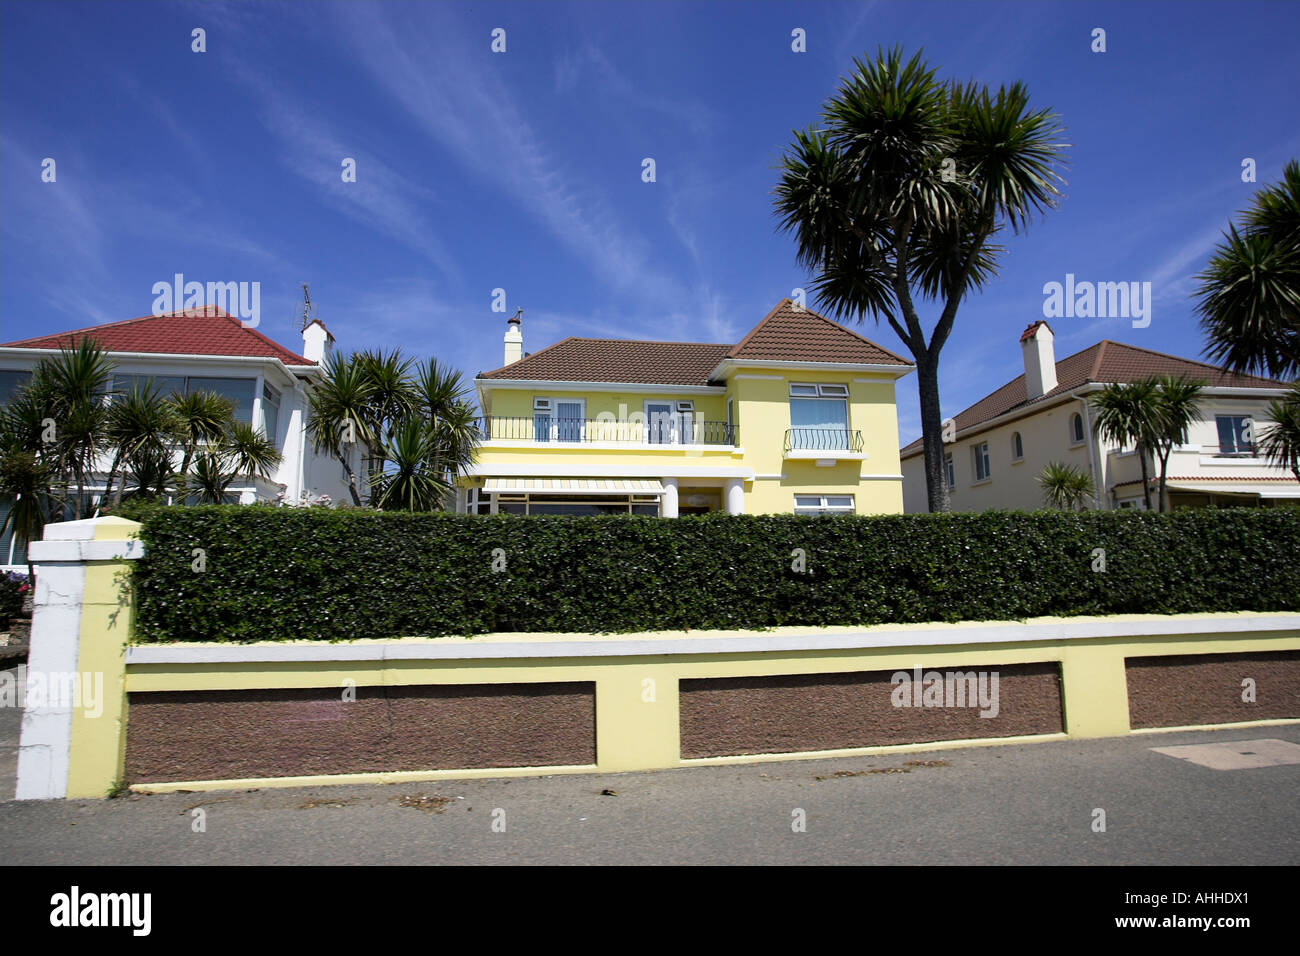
x=561, y=421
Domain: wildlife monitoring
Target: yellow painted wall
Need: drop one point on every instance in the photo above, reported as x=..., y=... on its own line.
x=761, y=407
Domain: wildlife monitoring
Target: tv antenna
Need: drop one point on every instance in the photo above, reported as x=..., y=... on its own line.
x=308, y=310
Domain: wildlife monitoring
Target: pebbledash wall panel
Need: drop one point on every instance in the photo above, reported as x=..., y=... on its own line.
x=228, y=735
x=1185, y=689
x=726, y=716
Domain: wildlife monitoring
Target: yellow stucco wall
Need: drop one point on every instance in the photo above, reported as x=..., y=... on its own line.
x=760, y=406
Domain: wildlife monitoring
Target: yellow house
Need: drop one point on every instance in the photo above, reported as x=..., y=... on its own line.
x=797, y=417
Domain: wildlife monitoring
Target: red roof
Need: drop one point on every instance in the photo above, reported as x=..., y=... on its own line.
x=202, y=331
x=1103, y=363
x=786, y=334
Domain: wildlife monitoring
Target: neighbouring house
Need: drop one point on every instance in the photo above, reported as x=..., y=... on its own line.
x=207, y=349
x=798, y=416
x=1005, y=440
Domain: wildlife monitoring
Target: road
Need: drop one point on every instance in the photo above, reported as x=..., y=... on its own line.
x=1020, y=804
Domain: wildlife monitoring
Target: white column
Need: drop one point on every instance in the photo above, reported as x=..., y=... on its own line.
x=668, y=504
x=735, y=496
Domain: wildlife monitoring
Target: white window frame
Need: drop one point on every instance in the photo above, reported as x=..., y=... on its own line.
x=1017, y=454
x=823, y=507
x=950, y=470
x=1084, y=431
x=979, y=457
x=680, y=421
x=553, y=424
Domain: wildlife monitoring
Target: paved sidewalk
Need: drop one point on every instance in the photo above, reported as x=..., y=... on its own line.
x=1027, y=804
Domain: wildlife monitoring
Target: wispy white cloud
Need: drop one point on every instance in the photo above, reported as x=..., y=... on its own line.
x=472, y=114
x=380, y=199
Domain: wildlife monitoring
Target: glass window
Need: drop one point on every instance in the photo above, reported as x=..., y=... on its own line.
x=981, y=461
x=238, y=390
x=823, y=504
x=1017, y=446
x=817, y=423
x=270, y=413
x=1233, y=435
x=1076, y=428
x=803, y=391
x=165, y=385
x=952, y=473
x=11, y=382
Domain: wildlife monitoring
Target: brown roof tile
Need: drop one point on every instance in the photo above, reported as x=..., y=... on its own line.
x=784, y=335
x=1104, y=362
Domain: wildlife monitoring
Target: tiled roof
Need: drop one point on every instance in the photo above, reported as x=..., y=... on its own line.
x=784, y=335
x=1104, y=363
x=792, y=334
x=202, y=331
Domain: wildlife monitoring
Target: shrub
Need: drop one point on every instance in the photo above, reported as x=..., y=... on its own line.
x=13, y=588
x=287, y=574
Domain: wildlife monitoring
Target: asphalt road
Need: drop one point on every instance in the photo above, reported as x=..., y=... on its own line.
x=1023, y=804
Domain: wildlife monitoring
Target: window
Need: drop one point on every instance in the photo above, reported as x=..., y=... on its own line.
x=1017, y=447
x=1235, y=434
x=11, y=383
x=270, y=413
x=952, y=474
x=669, y=423
x=823, y=504
x=238, y=390
x=819, y=416
x=981, y=452
x=1076, y=428
x=558, y=419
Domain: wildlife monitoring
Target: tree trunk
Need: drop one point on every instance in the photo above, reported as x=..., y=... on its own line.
x=936, y=475
x=1146, y=479
x=352, y=481
x=1164, y=468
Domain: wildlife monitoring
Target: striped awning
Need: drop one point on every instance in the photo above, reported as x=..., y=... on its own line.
x=573, y=486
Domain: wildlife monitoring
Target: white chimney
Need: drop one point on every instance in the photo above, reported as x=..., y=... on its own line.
x=1040, y=360
x=317, y=343
x=514, y=339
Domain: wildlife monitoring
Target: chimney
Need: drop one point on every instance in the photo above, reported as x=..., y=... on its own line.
x=1040, y=360
x=514, y=338
x=317, y=343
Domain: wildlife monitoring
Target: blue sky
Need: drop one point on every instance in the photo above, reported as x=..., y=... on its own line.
x=522, y=170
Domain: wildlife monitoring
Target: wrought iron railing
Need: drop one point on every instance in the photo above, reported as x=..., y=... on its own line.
x=823, y=439
x=655, y=430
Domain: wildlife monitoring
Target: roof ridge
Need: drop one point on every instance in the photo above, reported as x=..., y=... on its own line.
x=1213, y=368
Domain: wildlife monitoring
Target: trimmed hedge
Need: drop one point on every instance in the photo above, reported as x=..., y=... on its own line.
x=325, y=574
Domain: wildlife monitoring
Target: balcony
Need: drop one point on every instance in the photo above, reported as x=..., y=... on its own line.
x=823, y=444
x=669, y=430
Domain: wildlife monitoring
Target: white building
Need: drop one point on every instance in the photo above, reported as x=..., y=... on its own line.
x=210, y=350
x=1005, y=440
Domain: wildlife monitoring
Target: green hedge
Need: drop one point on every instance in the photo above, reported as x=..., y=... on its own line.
x=286, y=574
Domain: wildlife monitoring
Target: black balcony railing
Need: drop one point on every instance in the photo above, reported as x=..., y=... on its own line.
x=655, y=430
x=823, y=439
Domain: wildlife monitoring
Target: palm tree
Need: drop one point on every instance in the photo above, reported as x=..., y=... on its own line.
x=248, y=451
x=71, y=388
x=1279, y=442
x=1180, y=406
x=414, y=481
x=141, y=427
x=1130, y=413
x=340, y=414
x=1065, y=486
x=1249, y=295
x=24, y=478
x=898, y=195
x=204, y=419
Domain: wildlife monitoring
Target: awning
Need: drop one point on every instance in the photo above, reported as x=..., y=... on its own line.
x=573, y=486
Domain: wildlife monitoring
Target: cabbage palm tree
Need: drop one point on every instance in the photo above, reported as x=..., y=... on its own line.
x=1065, y=486
x=894, y=201
x=1180, y=406
x=341, y=412
x=1249, y=294
x=1130, y=413
x=1279, y=441
x=141, y=427
x=204, y=418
